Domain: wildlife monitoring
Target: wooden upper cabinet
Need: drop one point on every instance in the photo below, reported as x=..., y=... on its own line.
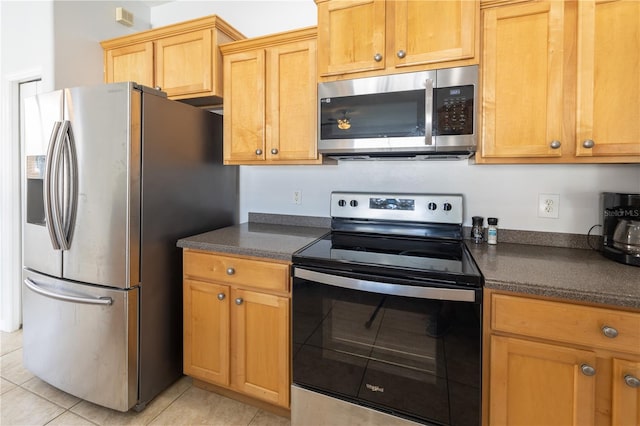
x=244, y=106
x=433, y=31
x=608, y=115
x=351, y=36
x=522, y=80
x=185, y=63
x=130, y=63
x=182, y=59
x=270, y=99
x=371, y=37
x=560, y=82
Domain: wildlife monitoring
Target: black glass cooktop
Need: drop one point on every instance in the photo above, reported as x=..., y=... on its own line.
x=402, y=257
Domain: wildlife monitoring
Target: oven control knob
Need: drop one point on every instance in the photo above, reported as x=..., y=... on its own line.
x=432, y=206
x=342, y=203
x=353, y=203
x=447, y=207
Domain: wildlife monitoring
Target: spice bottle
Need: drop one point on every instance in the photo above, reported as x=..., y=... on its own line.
x=477, y=229
x=492, y=231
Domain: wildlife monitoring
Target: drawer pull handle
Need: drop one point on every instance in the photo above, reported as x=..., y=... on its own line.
x=587, y=370
x=239, y=301
x=221, y=296
x=610, y=332
x=231, y=271
x=631, y=381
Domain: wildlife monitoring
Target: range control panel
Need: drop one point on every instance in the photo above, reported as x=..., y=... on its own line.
x=403, y=207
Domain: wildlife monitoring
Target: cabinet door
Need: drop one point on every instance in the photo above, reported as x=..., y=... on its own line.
x=539, y=384
x=522, y=80
x=351, y=36
x=421, y=39
x=244, y=106
x=130, y=63
x=261, y=346
x=626, y=393
x=608, y=84
x=291, y=112
x=184, y=63
x=206, y=331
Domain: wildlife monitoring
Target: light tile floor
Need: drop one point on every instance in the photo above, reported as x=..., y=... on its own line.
x=27, y=400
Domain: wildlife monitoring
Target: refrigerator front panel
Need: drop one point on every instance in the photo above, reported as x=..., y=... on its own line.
x=82, y=339
x=43, y=113
x=105, y=242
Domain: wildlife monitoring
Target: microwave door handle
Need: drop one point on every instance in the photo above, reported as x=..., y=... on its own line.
x=48, y=171
x=428, y=112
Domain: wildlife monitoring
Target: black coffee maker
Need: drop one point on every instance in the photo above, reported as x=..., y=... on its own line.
x=621, y=227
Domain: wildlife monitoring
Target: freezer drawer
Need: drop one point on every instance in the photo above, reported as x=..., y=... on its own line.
x=82, y=339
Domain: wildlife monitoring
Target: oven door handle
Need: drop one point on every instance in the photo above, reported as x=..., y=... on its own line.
x=437, y=293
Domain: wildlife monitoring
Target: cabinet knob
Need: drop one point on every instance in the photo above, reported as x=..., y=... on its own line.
x=239, y=301
x=632, y=381
x=231, y=271
x=587, y=370
x=401, y=54
x=555, y=144
x=589, y=143
x=221, y=296
x=258, y=151
x=274, y=151
x=610, y=332
x=377, y=57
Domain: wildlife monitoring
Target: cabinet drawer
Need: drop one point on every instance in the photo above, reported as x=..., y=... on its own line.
x=565, y=322
x=238, y=271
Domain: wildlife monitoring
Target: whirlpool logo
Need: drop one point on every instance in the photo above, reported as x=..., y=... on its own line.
x=375, y=388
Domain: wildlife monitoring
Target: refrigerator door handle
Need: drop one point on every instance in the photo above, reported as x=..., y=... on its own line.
x=56, y=170
x=75, y=299
x=70, y=184
x=48, y=208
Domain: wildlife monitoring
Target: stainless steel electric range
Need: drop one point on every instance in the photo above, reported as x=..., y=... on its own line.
x=387, y=315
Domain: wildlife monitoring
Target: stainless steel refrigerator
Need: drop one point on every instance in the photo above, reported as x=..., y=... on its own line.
x=114, y=175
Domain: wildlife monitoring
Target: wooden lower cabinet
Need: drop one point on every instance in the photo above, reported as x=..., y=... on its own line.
x=235, y=336
x=553, y=362
x=540, y=384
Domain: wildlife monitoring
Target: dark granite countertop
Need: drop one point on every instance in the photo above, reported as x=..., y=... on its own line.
x=575, y=274
x=261, y=237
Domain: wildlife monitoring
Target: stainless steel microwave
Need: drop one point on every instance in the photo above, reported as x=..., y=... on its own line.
x=427, y=114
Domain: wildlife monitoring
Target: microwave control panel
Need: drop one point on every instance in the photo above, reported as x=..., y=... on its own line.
x=453, y=110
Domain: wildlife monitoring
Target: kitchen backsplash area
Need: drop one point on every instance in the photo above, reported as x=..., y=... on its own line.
x=507, y=192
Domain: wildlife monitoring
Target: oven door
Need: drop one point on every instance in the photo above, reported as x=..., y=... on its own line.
x=407, y=350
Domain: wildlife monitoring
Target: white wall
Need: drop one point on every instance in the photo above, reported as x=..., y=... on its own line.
x=251, y=17
x=509, y=193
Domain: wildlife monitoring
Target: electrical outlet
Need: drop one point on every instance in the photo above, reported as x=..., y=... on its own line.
x=549, y=205
x=297, y=197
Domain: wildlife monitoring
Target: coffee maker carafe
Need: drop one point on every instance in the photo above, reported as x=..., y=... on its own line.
x=621, y=227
